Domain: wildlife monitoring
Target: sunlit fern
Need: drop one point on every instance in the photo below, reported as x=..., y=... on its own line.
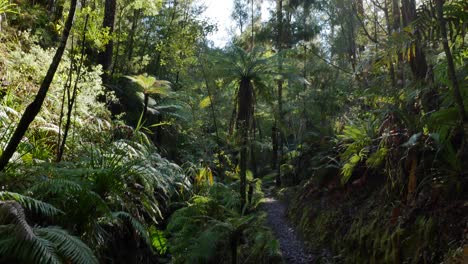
x=7, y=7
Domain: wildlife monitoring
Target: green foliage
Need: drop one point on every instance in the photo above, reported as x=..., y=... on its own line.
x=356, y=143
x=30, y=203
x=7, y=7
x=357, y=108
x=158, y=240
x=204, y=230
x=21, y=242
x=150, y=85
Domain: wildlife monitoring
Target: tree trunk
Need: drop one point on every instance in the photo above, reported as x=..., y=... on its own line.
x=389, y=35
x=147, y=37
x=279, y=17
x=451, y=66
x=213, y=112
x=234, y=242
x=252, y=16
x=396, y=17
x=245, y=102
x=233, y=115
x=253, y=158
x=33, y=109
x=279, y=132
x=274, y=139
x=115, y=56
x=145, y=107
x=417, y=59
x=105, y=58
x=131, y=37
x=72, y=97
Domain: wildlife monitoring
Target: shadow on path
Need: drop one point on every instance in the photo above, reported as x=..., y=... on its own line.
x=292, y=248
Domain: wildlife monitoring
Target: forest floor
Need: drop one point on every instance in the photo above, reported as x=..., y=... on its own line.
x=292, y=247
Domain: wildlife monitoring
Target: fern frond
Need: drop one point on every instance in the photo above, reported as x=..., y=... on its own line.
x=136, y=225
x=54, y=186
x=19, y=242
x=68, y=246
x=30, y=203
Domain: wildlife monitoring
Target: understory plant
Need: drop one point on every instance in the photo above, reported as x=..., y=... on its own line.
x=209, y=229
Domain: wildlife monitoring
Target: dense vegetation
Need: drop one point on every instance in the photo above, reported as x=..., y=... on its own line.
x=127, y=137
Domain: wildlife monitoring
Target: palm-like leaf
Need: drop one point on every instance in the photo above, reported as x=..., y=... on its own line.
x=30, y=203
x=6, y=7
x=136, y=225
x=150, y=85
x=238, y=63
x=19, y=242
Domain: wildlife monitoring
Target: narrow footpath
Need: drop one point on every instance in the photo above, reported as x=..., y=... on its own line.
x=292, y=247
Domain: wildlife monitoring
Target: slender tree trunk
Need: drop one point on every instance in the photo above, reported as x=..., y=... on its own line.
x=396, y=15
x=145, y=107
x=115, y=57
x=145, y=45
x=72, y=98
x=280, y=133
x=66, y=89
x=33, y=109
x=274, y=139
x=243, y=168
x=252, y=17
x=213, y=112
x=159, y=131
x=131, y=38
x=279, y=16
x=105, y=58
x=451, y=66
x=389, y=34
x=233, y=115
x=396, y=28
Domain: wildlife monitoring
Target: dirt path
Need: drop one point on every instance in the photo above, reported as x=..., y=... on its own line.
x=292, y=247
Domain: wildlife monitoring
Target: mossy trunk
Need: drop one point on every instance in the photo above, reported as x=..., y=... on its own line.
x=244, y=115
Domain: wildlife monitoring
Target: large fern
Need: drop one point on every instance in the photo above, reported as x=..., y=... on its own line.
x=30, y=203
x=19, y=242
x=204, y=230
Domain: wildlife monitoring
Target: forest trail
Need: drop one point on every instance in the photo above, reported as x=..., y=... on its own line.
x=292, y=247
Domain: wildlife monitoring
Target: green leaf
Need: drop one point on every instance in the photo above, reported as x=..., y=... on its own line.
x=30, y=203
x=205, y=102
x=158, y=240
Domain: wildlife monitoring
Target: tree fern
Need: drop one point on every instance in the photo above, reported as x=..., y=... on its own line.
x=30, y=203
x=55, y=186
x=136, y=225
x=12, y=212
x=70, y=247
x=19, y=242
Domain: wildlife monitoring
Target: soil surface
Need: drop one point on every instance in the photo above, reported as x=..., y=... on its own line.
x=292, y=247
